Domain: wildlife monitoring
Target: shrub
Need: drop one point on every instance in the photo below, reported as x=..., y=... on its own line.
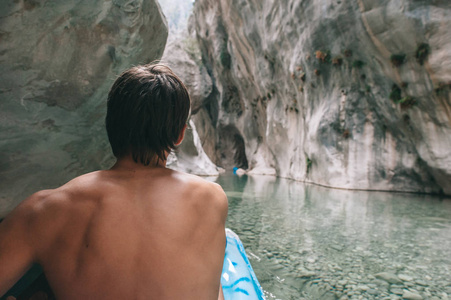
x=422, y=53
x=225, y=58
x=322, y=56
x=308, y=164
x=302, y=76
x=337, y=61
x=395, y=94
x=348, y=52
x=407, y=102
x=346, y=133
x=358, y=64
x=406, y=119
x=441, y=89
x=317, y=72
x=397, y=59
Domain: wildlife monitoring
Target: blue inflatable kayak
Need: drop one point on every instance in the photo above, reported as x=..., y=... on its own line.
x=238, y=279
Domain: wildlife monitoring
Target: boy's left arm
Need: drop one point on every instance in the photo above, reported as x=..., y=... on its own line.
x=16, y=251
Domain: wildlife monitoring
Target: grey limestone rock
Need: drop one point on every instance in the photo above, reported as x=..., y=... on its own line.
x=183, y=55
x=57, y=61
x=190, y=157
x=349, y=94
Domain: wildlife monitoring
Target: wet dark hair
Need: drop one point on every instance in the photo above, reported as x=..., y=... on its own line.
x=147, y=108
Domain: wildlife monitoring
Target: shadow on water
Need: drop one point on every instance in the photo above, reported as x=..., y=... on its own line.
x=310, y=242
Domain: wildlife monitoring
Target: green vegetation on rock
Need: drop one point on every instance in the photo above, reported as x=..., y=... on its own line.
x=337, y=61
x=407, y=102
x=308, y=163
x=323, y=56
x=422, y=53
x=358, y=64
x=395, y=94
x=398, y=59
x=225, y=58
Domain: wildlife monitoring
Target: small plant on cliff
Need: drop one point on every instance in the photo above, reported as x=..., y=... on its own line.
x=317, y=72
x=337, y=61
x=302, y=76
x=441, y=89
x=348, y=52
x=407, y=102
x=225, y=58
x=406, y=119
x=308, y=164
x=321, y=56
x=346, y=134
x=358, y=64
x=395, y=94
x=422, y=53
x=397, y=59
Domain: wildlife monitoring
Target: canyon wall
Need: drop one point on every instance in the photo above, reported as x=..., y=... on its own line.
x=58, y=60
x=183, y=56
x=347, y=94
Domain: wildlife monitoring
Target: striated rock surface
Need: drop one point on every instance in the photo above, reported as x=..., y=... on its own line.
x=57, y=61
x=348, y=94
x=183, y=55
x=190, y=156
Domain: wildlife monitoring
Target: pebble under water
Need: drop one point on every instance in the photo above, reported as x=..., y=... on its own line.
x=310, y=242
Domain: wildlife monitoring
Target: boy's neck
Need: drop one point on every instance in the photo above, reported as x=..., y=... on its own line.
x=127, y=163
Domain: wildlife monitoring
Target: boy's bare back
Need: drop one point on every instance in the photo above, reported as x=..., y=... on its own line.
x=132, y=232
x=137, y=231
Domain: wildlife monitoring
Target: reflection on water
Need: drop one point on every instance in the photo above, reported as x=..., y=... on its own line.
x=309, y=242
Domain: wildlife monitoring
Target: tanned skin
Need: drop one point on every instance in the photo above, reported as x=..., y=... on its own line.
x=131, y=232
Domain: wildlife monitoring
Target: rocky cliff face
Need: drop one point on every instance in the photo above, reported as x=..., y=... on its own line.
x=183, y=56
x=57, y=62
x=348, y=94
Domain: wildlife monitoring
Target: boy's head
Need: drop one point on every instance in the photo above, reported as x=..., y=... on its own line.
x=147, y=110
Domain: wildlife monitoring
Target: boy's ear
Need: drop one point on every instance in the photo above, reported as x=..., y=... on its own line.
x=182, y=135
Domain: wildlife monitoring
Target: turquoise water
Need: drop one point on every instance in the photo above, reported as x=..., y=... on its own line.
x=309, y=242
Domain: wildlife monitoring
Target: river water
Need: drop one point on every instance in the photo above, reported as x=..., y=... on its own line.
x=310, y=242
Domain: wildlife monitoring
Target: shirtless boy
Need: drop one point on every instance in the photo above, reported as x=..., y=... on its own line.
x=136, y=231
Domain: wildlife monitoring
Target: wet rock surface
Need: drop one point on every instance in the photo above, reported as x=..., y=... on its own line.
x=57, y=63
x=343, y=94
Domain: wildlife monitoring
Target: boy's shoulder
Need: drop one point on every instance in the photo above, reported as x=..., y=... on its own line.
x=203, y=190
x=201, y=184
